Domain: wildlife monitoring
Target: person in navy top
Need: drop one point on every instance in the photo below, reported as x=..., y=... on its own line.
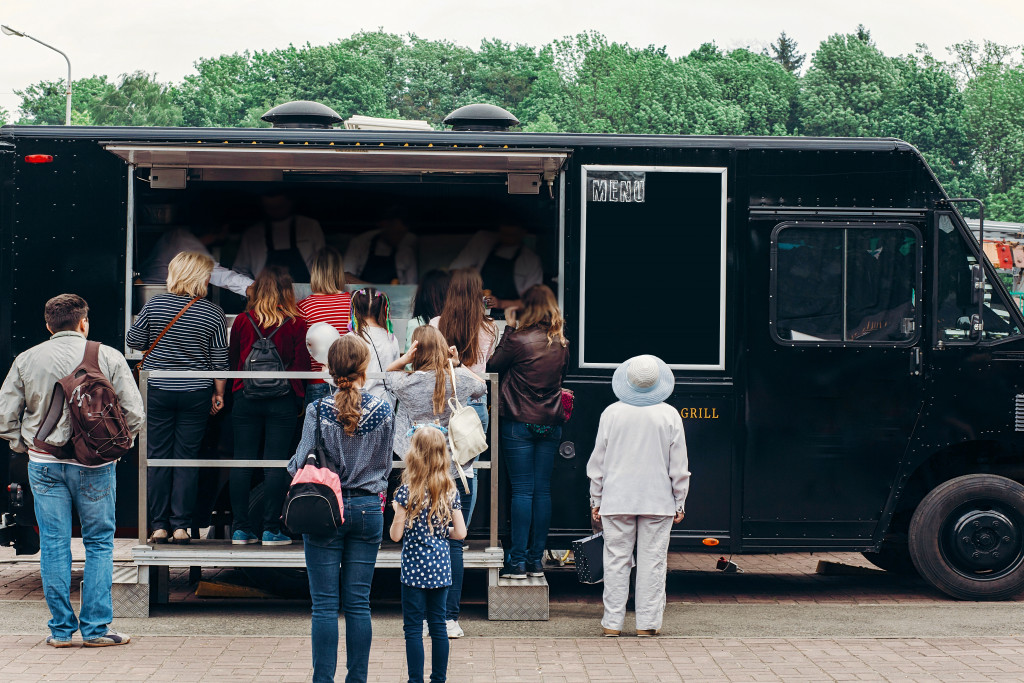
x=425, y=504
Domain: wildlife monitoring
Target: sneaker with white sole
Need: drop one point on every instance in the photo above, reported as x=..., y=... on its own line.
x=454, y=630
x=276, y=538
x=53, y=642
x=111, y=638
x=241, y=537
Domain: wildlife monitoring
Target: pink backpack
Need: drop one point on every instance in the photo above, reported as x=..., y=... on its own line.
x=314, y=503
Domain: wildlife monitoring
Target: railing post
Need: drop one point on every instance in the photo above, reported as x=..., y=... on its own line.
x=143, y=460
x=494, y=460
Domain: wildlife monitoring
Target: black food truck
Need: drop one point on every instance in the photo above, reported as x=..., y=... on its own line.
x=849, y=369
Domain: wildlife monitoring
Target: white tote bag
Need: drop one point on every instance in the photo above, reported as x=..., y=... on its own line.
x=466, y=436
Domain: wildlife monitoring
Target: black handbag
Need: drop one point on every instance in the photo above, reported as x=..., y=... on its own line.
x=589, y=554
x=314, y=504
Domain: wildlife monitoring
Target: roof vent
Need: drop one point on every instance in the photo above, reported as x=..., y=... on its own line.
x=302, y=114
x=480, y=117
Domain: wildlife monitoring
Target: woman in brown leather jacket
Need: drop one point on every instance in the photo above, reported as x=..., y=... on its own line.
x=531, y=360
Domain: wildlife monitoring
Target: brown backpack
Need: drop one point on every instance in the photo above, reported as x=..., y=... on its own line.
x=99, y=433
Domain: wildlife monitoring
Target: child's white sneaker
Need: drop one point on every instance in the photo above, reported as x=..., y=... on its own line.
x=454, y=630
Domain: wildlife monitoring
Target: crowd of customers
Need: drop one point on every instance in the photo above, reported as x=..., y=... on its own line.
x=368, y=425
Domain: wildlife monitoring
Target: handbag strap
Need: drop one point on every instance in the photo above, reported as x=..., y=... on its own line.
x=455, y=389
x=168, y=327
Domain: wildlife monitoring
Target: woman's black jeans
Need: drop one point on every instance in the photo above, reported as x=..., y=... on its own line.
x=273, y=421
x=175, y=425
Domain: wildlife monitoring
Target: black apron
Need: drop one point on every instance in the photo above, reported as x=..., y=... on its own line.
x=499, y=276
x=291, y=258
x=380, y=270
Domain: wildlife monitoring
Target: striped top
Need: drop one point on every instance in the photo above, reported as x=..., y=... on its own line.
x=198, y=341
x=333, y=309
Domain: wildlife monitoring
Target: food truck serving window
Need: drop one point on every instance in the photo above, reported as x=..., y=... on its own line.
x=845, y=283
x=652, y=265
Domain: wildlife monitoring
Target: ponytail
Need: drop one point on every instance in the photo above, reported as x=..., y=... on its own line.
x=347, y=360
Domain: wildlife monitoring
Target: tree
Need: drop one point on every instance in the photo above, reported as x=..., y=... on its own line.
x=784, y=51
x=994, y=114
x=763, y=89
x=846, y=87
x=139, y=100
x=4, y=117
x=43, y=103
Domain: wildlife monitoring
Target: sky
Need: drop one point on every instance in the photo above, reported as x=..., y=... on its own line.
x=114, y=36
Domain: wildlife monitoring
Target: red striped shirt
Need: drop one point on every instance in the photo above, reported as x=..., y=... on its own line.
x=333, y=309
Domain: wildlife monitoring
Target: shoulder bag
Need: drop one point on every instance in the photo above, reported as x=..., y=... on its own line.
x=465, y=431
x=145, y=354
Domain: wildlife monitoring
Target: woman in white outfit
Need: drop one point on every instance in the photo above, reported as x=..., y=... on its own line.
x=639, y=478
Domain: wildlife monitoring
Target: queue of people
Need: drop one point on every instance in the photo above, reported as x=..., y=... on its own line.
x=638, y=469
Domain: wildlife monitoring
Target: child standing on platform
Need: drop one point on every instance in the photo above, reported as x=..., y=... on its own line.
x=425, y=504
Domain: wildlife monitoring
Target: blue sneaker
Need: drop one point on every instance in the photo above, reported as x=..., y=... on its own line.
x=243, y=538
x=276, y=538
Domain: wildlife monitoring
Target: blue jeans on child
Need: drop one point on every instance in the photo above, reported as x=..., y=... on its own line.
x=529, y=459
x=419, y=604
x=315, y=392
x=344, y=561
x=468, y=501
x=55, y=487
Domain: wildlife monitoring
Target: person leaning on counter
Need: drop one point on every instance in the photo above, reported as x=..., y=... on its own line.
x=282, y=239
x=507, y=266
x=383, y=255
x=180, y=240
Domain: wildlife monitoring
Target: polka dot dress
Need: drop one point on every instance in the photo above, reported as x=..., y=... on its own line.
x=426, y=562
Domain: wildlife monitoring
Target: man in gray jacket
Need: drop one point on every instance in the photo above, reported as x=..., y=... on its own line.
x=58, y=483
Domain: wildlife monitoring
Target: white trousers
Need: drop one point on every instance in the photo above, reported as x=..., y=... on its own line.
x=650, y=535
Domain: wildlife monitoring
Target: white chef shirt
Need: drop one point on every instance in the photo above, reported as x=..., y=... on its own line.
x=177, y=240
x=358, y=253
x=528, y=270
x=252, y=252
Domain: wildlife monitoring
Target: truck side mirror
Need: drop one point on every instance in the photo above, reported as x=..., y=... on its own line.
x=978, y=284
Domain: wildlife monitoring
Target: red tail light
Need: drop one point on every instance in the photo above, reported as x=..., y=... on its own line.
x=38, y=158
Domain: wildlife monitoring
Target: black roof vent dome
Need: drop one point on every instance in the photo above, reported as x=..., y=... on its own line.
x=480, y=117
x=302, y=114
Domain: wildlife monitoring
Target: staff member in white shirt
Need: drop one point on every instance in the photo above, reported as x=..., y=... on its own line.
x=179, y=240
x=383, y=255
x=283, y=239
x=507, y=266
x=639, y=478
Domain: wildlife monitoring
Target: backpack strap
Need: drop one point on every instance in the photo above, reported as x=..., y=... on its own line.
x=49, y=423
x=257, y=327
x=91, y=358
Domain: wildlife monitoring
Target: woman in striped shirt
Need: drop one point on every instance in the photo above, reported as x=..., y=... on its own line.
x=178, y=408
x=329, y=303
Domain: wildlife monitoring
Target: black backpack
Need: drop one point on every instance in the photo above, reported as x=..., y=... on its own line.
x=263, y=357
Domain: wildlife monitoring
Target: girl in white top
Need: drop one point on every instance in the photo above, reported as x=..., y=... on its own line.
x=371, y=322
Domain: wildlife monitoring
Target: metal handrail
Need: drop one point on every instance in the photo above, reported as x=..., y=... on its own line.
x=145, y=463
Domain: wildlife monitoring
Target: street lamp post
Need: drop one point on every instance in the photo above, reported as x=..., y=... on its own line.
x=67, y=109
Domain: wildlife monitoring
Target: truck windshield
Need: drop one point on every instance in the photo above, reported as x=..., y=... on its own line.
x=953, y=296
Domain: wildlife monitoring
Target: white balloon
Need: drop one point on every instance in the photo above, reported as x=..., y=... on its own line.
x=319, y=338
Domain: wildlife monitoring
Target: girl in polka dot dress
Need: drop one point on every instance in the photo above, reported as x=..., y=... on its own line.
x=425, y=505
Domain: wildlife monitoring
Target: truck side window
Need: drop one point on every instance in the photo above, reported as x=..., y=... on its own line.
x=954, y=305
x=845, y=284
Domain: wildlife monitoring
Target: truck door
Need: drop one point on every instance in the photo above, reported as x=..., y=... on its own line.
x=835, y=380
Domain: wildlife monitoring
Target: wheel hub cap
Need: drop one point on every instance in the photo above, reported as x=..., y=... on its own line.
x=985, y=540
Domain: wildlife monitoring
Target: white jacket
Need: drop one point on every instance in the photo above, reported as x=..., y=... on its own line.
x=639, y=464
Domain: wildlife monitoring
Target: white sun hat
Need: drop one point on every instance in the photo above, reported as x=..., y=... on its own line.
x=319, y=338
x=643, y=381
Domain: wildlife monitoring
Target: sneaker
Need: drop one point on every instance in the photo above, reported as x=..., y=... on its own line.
x=610, y=632
x=53, y=642
x=535, y=569
x=513, y=571
x=454, y=630
x=647, y=632
x=276, y=538
x=158, y=536
x=111, y=638
x=243, y=538
x=426, y=630
x=181, y=536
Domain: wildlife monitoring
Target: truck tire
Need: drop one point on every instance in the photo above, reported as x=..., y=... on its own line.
x=893, y=558
x=967, y=537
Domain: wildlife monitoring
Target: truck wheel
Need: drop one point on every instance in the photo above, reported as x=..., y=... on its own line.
x=893, y=558
x=967, y=537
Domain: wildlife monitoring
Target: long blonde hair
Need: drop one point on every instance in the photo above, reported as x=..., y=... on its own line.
x=429, y=479
x=347, y=360
x=273, y=297
x=432, y=356
x=188, y=274
x=541, y=308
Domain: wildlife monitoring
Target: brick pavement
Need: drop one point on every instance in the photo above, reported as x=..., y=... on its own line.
x=479, y=660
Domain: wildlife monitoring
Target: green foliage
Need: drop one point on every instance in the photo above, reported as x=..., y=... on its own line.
x=138, y=100
x=5, y=117
x=44, y=103
x=994, y=117
x=784, y=51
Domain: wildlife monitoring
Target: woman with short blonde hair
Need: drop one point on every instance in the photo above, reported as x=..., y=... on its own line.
x=179, y=330
x=188, y=274
x=329, y=303
x=327, y=275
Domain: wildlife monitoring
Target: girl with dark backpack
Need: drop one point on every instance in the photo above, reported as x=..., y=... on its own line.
x=269, y=337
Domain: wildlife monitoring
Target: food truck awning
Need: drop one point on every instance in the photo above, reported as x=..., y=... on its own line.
x=353, y=159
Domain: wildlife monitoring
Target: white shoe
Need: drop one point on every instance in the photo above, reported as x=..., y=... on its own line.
x=426, y=630
x=454, y=630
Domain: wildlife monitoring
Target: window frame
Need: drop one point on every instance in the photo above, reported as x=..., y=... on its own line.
x=992, y=279
x=706, y=170
x=844, y=225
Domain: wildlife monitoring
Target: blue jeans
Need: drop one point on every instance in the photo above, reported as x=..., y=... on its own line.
x=315, y=392
x=468, y=502
x=55, y=487
x=529, y=460
x=419, y=604
x=344, y=560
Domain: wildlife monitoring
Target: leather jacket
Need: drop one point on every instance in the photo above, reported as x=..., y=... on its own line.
x=531, y=376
